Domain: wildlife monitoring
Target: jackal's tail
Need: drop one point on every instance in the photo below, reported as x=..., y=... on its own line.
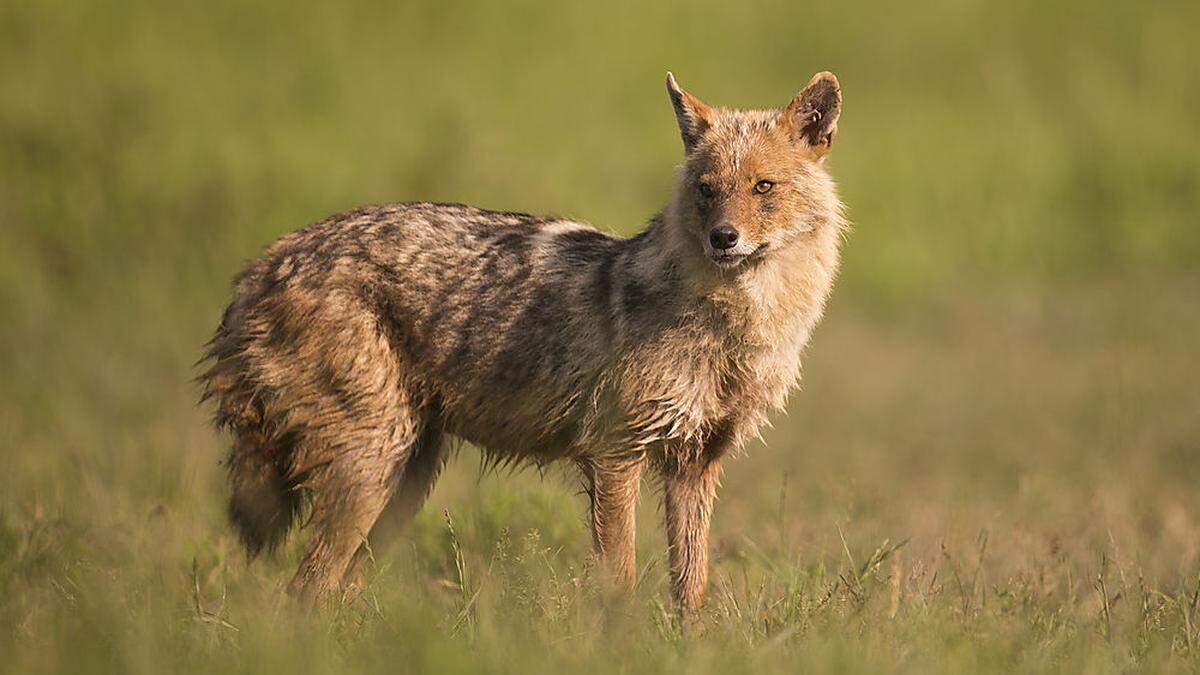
x=263, y=503
x=265, y=499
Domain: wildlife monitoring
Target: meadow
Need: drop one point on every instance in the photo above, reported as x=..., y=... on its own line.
x=992, y=465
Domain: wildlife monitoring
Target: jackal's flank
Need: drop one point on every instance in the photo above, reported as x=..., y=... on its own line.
x=354, y=349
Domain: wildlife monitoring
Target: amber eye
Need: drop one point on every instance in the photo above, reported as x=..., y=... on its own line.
x=705, y=189
x=762, y=187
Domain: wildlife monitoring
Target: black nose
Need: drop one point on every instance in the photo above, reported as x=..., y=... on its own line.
x=723, y=237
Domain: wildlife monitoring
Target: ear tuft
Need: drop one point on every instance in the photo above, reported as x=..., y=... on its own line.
x=693, y=115
x=672, y=85
x=813, y=113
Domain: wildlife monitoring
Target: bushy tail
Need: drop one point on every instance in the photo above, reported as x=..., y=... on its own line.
x=264, y=503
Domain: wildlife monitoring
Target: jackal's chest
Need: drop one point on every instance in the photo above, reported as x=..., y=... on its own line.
x=691, y=394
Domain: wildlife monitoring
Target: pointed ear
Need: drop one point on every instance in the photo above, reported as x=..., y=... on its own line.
x=694, y=116
x=813, y=114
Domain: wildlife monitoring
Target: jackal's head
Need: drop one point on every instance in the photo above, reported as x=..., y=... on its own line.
x=754, y=182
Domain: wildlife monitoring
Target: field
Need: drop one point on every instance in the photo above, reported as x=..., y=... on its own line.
x=992, y=465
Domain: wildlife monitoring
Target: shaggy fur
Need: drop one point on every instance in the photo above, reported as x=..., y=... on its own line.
x=354, y=348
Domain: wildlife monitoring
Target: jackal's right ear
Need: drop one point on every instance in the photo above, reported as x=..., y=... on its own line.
x=694, y=116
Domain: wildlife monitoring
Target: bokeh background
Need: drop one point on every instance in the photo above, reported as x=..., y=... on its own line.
x=994, y=461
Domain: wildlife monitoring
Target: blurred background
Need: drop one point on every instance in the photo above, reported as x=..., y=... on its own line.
x=1007, y=376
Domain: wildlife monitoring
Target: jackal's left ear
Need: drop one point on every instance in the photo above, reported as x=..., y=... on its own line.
x=694, y=116
x=813, y=114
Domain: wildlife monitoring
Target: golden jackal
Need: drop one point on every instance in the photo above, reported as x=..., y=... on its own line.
x=354, y=348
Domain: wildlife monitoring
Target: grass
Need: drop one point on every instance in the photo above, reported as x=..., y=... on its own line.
x=991, y=467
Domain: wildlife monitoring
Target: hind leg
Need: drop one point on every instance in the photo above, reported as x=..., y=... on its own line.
x=420, y=474
x=349, y=492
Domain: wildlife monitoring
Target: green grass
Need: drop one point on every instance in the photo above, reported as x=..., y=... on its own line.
x=992, y=465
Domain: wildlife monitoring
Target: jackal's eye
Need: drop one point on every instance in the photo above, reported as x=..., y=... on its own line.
x=705, y=189
x=762, y=187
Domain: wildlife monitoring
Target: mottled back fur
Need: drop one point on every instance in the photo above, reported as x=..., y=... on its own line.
x=355, y=347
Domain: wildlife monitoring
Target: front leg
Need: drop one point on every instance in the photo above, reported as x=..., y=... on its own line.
x=689, y=491
x=613, y=487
